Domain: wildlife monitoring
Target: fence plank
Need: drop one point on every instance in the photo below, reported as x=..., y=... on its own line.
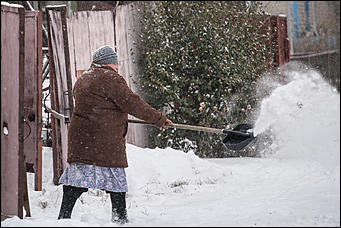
x=122, y=52
x=60, y=84
x=101, y=29
x=80, y=32
x=33, y=94
x=72, y=52
x=12, y=110
x=127, y=31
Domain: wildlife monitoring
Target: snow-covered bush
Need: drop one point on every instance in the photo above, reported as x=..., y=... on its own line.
x=199, y=62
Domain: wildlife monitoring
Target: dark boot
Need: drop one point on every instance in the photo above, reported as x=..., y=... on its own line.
x=119, y=210
x=70, y=196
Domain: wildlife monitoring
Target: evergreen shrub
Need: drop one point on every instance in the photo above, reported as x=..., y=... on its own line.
x=200, y=61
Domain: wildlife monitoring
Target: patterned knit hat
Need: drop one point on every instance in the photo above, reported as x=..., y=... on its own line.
x=106, y=55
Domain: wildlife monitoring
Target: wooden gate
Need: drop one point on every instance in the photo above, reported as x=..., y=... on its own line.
x=33, y=96
x=60, y=85
x=12, y=110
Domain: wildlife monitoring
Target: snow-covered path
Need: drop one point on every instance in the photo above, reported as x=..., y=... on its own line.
x=259, y=192
x=213, y=192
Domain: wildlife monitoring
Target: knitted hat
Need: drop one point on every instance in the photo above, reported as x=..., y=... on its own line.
x=105, y=55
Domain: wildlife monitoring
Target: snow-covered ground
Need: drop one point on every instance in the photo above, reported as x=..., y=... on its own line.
x=296, y=183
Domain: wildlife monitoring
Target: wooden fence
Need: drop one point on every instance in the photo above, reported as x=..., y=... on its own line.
x=327, y=63
x=21, y=106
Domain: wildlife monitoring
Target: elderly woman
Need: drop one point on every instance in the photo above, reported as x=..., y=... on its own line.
x=96, y=135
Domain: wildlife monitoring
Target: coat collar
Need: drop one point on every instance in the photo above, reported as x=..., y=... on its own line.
x=101, y=65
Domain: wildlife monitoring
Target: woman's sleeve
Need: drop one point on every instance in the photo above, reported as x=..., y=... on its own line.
x=132, y=104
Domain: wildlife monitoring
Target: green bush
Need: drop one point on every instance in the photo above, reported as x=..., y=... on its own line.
x=200, y=61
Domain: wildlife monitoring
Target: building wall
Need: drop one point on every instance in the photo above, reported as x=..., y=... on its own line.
x=314, y=34
x=313, y=26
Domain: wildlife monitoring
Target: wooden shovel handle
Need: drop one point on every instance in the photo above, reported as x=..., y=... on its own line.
x=183, y=126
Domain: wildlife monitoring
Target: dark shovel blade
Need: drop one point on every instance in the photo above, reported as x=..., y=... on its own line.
x=235, y=141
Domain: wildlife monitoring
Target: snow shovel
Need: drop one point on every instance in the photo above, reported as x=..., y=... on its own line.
x=235, y=139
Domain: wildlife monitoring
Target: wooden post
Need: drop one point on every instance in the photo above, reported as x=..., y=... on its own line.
x=26, y=197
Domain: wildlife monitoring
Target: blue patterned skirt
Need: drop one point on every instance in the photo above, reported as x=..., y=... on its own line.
x=96, y=177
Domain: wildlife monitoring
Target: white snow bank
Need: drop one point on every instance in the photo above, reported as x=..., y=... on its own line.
x=11, y=5
x=168, y=168
x=304, y=118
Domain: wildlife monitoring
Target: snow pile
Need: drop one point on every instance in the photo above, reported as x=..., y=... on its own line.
x=163, y=170
x=303, y=117
x=151, y=173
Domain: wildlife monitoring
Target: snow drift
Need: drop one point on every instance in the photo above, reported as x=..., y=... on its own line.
x=303, y=117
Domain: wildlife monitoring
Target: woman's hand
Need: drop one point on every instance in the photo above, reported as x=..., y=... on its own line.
x=167, y=123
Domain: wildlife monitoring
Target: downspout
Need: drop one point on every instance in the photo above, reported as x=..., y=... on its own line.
x=289, y=28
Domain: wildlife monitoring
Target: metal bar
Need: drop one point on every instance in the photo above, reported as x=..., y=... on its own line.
x=55, y=126
x=29, y=5
x=67, y=62
x=309, y=54
x=46, y=63
x=45, y=74
x=58, y=115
